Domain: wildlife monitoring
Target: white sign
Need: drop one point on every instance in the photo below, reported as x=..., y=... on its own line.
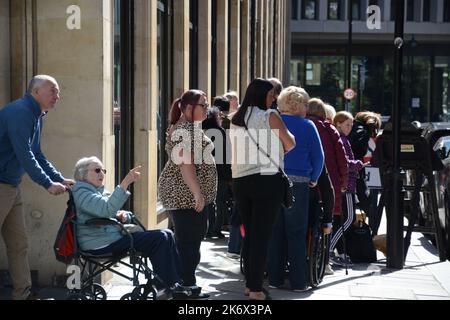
x=349, y=94
x=373, y=180
x=415, y=102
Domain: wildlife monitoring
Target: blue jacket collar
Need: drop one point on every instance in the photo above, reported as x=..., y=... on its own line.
x=34, y=105
x=81, y=184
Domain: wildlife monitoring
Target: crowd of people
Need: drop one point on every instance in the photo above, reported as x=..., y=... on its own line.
x=225, y=167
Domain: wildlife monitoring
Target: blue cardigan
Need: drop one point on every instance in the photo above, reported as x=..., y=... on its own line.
x=307, y=158
x=20, y=144
x=92, y=202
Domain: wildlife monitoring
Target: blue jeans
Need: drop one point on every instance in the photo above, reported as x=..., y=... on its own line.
x=288, y=241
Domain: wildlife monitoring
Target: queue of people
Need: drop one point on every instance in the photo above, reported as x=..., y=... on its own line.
x=225, y=167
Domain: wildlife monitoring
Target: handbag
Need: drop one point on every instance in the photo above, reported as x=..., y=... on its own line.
x=359, y=243
x=288, y=187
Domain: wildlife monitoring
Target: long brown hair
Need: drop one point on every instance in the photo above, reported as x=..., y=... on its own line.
x=180, y=104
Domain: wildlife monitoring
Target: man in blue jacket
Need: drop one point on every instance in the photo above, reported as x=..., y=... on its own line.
x=20, y=152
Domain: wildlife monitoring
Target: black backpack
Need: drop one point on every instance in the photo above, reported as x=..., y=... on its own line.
x=65, y=246
x=359, y=243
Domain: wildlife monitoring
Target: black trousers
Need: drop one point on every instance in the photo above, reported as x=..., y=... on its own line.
x=258, y=199
x=190, y=229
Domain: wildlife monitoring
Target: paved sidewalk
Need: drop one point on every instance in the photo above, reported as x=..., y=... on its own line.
x=423, y=278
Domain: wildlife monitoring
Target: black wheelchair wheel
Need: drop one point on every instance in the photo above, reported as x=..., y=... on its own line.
x=141, y=292
x=318, y=256
x=94, y=292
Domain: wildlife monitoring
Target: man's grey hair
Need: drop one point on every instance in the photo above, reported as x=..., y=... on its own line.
x=38, y=81
x=82, y=167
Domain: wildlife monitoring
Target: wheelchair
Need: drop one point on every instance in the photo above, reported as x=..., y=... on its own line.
x=91, y=266
x=317, y=242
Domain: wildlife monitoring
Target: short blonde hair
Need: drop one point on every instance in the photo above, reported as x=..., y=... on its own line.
x=342, y=116
x=290, y=96
x=330, y=112
x=316, y=107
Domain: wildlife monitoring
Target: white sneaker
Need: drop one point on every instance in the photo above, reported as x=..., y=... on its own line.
x=328, y=270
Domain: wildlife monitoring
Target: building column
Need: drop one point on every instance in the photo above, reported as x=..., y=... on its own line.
x=222, y=47
x=259, y=38
x=204, y=43
x=22, y=47
x=270, y=41
x=5, y=89
x=244, y=50
x=287, y=42
x=235, y=51
x=145, y=110
x=181, y=48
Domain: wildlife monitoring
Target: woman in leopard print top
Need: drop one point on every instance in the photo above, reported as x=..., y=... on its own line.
x=188, y=182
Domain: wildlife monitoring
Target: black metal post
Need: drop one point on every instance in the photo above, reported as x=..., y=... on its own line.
x=395, y=218
x=348, y=78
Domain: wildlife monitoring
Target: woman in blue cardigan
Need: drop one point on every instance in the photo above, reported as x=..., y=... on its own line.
x=303, y=165
x=93, y=201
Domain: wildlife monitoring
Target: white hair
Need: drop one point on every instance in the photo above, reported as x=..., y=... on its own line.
x=82, y=167
x=38, y=81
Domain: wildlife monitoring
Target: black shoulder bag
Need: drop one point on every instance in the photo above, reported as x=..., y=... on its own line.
x=288, y=198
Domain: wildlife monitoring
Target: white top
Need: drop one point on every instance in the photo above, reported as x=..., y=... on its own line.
x=245, y=158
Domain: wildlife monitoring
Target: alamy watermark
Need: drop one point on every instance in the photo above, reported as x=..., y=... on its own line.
x=232, y=147
x=73, y=21
x=373, y=21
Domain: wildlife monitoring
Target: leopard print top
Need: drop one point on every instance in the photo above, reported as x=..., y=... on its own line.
x=173, y=192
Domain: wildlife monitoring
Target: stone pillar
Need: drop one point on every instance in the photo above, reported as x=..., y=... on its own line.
x=259, y=39
x=81, y=124
x=222, y=47
x=205, y=48
x=145, y=110
x=270, y=41
x=287, y=42
x=22, y=47
x=245, y=49
x=4, y=54
x=181, y=48
x=235, y=27
x=266, y=30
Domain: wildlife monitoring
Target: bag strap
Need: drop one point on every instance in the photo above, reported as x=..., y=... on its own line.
x=259, y=147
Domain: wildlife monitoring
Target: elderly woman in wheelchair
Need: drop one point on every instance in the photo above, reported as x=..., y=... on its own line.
x=93, y=201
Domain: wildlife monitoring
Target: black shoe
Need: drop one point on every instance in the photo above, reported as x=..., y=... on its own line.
x=197, y=294
x=220, y=235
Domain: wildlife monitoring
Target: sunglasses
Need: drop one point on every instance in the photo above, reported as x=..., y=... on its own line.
x=98, y=170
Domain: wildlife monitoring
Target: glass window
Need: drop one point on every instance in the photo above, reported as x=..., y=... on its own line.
x=446, y=10
x=294, y=13
x=393, y=10
x=334, y=10
x=324, y=78
x=297, y=72
x=441, y=89
x=426, y=10
x=310, y=9
x=356, y=9
x=410, y=10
